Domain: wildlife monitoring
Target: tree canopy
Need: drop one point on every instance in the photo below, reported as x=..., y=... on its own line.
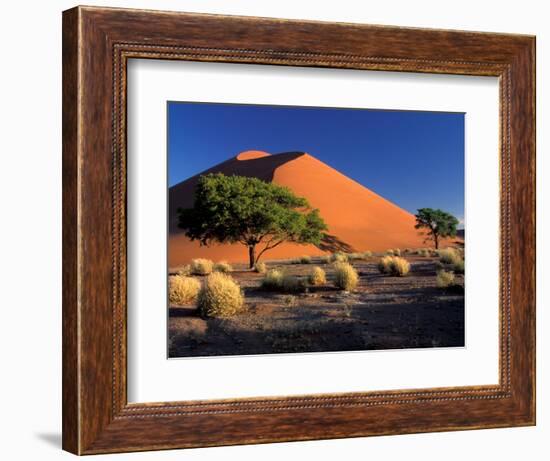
x=438, y=223
x=255, y=213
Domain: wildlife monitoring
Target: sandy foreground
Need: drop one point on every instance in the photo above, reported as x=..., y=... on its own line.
x=384, y=312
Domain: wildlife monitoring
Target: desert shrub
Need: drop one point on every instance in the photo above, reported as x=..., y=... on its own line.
x=424, y=252
x=445, y=279
x=223, y=266
x=399, y=266
x=293, y=284
x=184, y=270
x=260, y=268
x=317, y=276
x=290, y=301
x=220, y=296
x=273, y=279
x=367, y=254
x=345, y=276
x=354, y=256
x=325, y=259
x=339, y=258
x=394, y=265
x=397, y=252
x=458, y=267
x=449, y=256
x=182, y=289
x=389, y=252
x=384, y=264
x=201, y=266
x=305, y=259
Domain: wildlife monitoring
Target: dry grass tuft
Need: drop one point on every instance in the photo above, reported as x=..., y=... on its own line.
x=449, y=256
x=325, y=259
x=260, y=268
x=305, y=259
x=293, y=284
x=201, y=266
x=223, y=266
x=394, y=265
x=397, y=252
x=220, y=296
x=317, y=276
x=367, y=254
x=339, y=258
x=346, y=277
x=273, y=280
x=182, y=289
x=445, y=279
x=184, y=270
x=389, y=252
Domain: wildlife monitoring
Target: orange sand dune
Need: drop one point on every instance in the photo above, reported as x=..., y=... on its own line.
x=357, y=218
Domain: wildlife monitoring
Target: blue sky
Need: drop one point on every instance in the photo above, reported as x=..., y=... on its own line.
x=415, y=159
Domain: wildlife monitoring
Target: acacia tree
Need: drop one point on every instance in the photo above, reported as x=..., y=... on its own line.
x=255, y=213
x=438, y=223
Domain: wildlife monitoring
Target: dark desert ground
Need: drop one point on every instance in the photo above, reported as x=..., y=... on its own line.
x=384, y=312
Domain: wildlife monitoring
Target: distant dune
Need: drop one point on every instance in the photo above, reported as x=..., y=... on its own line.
x=358, y=219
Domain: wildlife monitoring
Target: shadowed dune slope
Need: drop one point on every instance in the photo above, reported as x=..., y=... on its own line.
x=357, y=218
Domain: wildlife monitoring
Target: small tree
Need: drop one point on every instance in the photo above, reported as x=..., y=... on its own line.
x=258, y=214
x=438, y=223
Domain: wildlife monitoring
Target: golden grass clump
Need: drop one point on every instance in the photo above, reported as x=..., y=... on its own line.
x=339, y=258
x=389, y=252
x=182, y=289
x=399, y=266
x=293, y=284
x=325, y=259
x=445, y=279
x=260, y=268
x=450, y=256
x=184, y=270
x=394, y=265
x=397, y=252
x=384, y=264
x=345, y=276
x=220, y=296
x=317, y=276
x=367, y=254
x=223, y=266
x=458, y=267
x=273, y=279
x=424, y=252
x=201, y=266
x=305, y=259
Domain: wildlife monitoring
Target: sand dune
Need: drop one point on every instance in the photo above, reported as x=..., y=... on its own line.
x=357, y=218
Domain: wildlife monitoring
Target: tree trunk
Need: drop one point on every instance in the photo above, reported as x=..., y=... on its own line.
x=436, y=240
x=251, y=255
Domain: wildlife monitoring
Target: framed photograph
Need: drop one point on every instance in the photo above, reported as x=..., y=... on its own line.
x=282, y=230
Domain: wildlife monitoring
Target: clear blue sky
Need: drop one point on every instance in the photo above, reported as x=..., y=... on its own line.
x=415, y=159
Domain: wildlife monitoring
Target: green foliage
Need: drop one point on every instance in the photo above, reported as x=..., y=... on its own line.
x=220, y=296
x=182, y=289
x=317, y=276
x=255, y=213
x=438, y=224
x=345, y=276
x=201, y=266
